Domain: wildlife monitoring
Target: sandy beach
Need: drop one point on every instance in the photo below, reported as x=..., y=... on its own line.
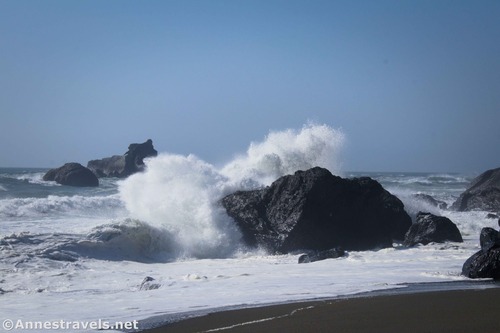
x=469, y=310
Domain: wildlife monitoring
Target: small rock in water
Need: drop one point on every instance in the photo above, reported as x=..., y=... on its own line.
x=430, y=228
x=430, y=200
x=148, y=284
x=491, y=216
x=322, y=255
x=304, y=259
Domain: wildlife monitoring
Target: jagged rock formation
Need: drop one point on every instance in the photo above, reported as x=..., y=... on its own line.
x=122, y=166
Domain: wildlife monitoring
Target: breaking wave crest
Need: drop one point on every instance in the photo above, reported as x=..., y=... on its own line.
x=125, y=240
x=69, y=205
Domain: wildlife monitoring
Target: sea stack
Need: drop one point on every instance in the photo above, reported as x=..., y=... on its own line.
x=72, y=174
x=122, y=166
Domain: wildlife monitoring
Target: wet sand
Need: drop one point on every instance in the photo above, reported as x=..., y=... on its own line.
x=457, y=311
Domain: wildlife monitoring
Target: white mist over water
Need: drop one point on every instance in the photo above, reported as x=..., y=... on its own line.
x=180, y=194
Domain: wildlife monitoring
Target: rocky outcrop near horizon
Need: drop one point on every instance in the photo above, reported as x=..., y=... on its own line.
x=315, y=210
x=122, y=166
x=482, y=194
x=72, y=174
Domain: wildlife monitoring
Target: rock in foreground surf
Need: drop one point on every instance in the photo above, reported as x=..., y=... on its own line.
x=486, y=262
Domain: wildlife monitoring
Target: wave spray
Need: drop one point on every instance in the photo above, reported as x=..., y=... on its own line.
x=180, y=194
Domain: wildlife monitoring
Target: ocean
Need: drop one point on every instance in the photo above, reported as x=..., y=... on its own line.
x=80, y=255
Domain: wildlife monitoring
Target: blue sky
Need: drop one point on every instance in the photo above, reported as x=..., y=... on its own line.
x=414, y=85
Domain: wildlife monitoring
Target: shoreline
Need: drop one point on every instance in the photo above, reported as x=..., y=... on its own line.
x=451, y=306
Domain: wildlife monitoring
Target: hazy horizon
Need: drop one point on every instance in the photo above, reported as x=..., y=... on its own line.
x=413, y=85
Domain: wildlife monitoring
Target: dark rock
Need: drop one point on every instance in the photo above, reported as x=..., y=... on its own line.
x=113, y=166
x=318, y=211
x=430, y=200
x=431, y=228
x=491, y=216
x=304, y=259
x=489, y=239
x=72, y=174
x=483, y=264
x=322, y=255
x=483, y=193
x=122, y=166
x=148, y=284
x=486, y=262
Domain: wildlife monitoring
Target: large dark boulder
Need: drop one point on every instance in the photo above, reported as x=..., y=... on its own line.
x=486, y=262
x=483, y=193
x=122, y=166
x=72, y=174
x=316, y=210
x=430, y=228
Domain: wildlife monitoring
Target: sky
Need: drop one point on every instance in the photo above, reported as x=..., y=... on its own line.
x=413, y=85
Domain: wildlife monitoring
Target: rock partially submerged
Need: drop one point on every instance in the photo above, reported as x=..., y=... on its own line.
x=122, y=166
x=483, y=193
x=486, y=262
x=149, y=284
x=72, y=174
x=315, y=210
x=430, y=200
x=321, y=255
x=430, y=228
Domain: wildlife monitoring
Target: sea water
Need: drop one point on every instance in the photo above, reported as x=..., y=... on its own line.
x=81, y=254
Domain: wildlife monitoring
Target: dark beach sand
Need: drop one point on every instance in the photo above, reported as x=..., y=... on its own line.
x=456, y=311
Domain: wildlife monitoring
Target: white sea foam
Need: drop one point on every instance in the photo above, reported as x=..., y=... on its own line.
x=52, y=204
